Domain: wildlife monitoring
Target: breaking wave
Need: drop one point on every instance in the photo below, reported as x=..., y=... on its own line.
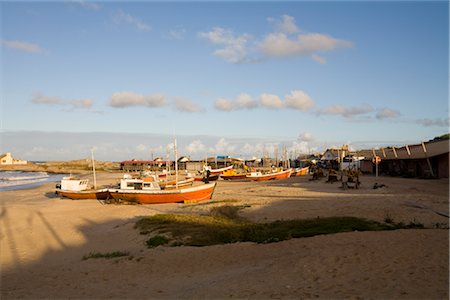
x=11, y=180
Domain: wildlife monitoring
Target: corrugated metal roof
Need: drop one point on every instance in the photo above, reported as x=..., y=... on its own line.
x=416, y=151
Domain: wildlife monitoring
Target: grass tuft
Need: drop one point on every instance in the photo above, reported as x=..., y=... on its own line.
x=107, y=255
x=157, y=241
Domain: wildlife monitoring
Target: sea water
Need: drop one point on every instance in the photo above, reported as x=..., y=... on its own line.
x=18, y=180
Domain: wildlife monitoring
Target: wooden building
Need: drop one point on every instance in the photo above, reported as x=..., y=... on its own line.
x=424, y=160
x=143, y=165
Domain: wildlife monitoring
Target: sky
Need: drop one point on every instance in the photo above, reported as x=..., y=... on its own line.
x=225, y=78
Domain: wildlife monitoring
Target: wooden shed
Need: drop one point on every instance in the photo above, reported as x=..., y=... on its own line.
x=424, y=160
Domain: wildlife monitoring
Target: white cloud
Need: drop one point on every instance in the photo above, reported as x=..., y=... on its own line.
x=301, y=147
x=84, y=103
x=176, y=34
x=123, y=17
x=195, y=147
x=387, y=113
x=39, y=98
x=287, y=41
x=243, y=101
x=125, y=99
x=222, y=146
x=279, y=44
x=298, y=100
x=287, y=25
x=306, y=137
x=88, y=5
x=224, y=104
x=439, y=122
x=346, y=112
x=270, y=101
x=24, y=46
x=234, y=47
x=186, y=105
x=320, y=59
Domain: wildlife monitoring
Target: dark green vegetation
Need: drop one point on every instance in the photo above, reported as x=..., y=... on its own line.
x=105, y=255
x=442, y=137
x=223, y=226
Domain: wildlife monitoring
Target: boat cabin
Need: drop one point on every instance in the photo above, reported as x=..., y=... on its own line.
x=147, y=183
x=74, y=184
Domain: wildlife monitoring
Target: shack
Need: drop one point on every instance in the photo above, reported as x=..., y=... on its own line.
x=424, y=160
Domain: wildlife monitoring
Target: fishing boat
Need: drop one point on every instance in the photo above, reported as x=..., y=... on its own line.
x=172, y=184
x=209, y=177
x=260, y=176
x=300, y=171
x=233, y=175
x=148, y=191
x=217, y=171
x=76, y=189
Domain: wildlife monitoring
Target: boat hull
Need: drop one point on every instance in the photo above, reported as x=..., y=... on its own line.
x=234, y=177
x=301, y=172
x=84, y=195
x=221, y=170
x=271, y=176
x=185, y=195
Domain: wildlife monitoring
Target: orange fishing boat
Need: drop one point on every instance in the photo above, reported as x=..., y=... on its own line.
x=149, y=192
x=217, y=171
x=233, y=175
x=172, y=184
x=77, y=189
x=259, y=176
x=300, y=171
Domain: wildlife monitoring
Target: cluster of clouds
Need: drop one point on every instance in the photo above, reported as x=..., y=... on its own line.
x=361, y=110
x=286, y=40
x=297, y=100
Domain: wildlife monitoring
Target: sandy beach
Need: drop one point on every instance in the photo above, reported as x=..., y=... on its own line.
x=44, y=238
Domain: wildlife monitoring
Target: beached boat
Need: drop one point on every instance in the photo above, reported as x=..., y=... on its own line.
x=259, y=176
x=233, y=175
x=148, y=191
x=77, y=189
x=300, y=171
x=217, y=171
x=203, y=177
x=173, y=184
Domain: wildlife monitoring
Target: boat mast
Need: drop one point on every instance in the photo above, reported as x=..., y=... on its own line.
x=93, y=168
x=176, y=162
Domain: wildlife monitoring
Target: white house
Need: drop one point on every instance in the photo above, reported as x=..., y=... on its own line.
x=7, y=159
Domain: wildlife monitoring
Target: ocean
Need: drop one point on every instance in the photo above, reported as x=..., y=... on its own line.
x=19, y=180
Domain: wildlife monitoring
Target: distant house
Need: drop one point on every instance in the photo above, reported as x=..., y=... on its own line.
x=335, y=154
x=135, y=165
x=7, y=159
x=424, y=160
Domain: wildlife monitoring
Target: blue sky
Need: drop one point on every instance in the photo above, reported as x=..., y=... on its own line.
x=237, y=78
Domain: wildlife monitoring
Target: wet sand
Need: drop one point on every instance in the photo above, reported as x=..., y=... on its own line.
x=43, y=240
